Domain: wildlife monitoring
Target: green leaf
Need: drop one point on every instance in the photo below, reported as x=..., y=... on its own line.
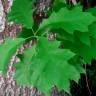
x=83, y=50
x=21, y=12
x=58, y=4
x=87, y=52
x=92, y=30
x=84, y=37
x=25, y=33
x=24, y=68
x=69, y=20
x=61, y=34
x=7, y=50
x=45, y=65
x=92, y=11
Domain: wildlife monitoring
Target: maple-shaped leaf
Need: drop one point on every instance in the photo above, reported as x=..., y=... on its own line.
x=7, y=50
x=86, y=52
x=69, y=20
x=45, y=65
x=21, y=12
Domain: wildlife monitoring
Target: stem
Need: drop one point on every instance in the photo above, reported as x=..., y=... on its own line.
x=33, y=32
x=87, y=81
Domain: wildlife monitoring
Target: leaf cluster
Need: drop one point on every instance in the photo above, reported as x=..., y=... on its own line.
x=45, y=64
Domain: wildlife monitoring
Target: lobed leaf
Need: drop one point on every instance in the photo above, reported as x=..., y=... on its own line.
x=45, y=65
x=86, y=52
x=69, y=20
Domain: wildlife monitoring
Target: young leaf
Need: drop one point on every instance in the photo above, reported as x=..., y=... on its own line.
x=7, y=50
x=69, y=20
x=46, y=65
x=21, y=12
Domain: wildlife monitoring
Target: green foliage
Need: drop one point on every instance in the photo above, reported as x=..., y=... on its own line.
x=58, y=4
x=44, y=64
x=87, y=52
x=25, y=33
x=92, y=11
x=69, y=20
x=7, y=50
x=25, y=67
x=21, y=13
x=92, y=30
